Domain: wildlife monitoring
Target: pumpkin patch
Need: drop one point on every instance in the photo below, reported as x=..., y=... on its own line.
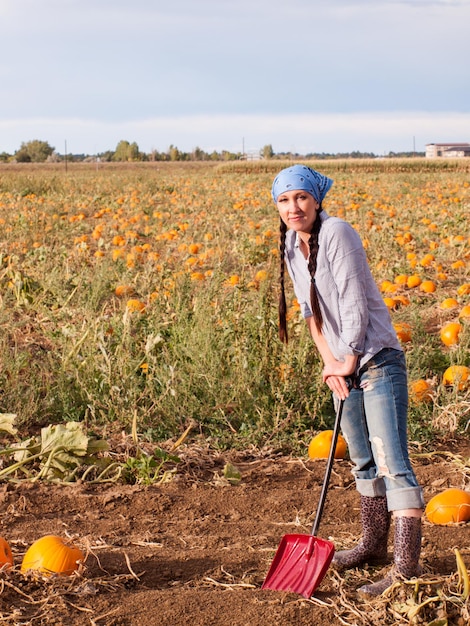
x=196, y=247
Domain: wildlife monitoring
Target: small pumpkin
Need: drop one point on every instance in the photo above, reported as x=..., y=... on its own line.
x=124, y=290
x=319, y=446
x=413, y=281
x=401, y=279
x=464, y=313
x=135, y=306
x=403, y=331
x=428, y=286
x=388, y=287
x=456, y=376
x=427, y=260
x=421, y=390
x=6, y=556
x=390, y=303
x=402, y=300
x=52, y=555
x=450, y=333
x=451, y=505
x=449, y=303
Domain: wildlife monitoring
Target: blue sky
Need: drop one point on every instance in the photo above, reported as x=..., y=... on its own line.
x=301, y=75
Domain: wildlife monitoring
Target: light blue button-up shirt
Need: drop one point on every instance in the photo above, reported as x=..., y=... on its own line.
x=356, y=320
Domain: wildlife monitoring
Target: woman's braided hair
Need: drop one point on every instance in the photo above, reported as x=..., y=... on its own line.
x=282, y=292
x=312, y=268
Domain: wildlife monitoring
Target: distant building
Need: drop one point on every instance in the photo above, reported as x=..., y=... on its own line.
x=449, y=150
x=252, y=155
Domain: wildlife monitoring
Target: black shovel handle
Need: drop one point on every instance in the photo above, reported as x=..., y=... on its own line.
x=329, y=467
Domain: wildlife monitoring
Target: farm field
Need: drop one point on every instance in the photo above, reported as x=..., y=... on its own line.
x=150, y=412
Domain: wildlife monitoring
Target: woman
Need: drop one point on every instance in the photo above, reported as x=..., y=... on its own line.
x=351, y=328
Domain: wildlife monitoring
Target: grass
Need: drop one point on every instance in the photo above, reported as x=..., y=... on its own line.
x=196, y=244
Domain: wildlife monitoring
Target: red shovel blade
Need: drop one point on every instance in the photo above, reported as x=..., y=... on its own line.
x=299, y=565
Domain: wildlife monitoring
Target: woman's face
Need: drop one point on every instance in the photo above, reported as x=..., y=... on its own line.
x=297, y=209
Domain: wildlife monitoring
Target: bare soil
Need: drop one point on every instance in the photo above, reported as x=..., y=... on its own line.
x=196, y=549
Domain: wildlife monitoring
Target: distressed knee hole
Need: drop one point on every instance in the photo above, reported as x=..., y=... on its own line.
x=382, y=466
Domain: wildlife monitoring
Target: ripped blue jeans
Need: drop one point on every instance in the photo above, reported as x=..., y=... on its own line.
x=374, y=424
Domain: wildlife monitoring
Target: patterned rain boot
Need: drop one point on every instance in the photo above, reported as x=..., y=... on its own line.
x=372, y=548
x=407, y=550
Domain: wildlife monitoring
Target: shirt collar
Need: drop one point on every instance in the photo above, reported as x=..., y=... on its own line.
x=323, y=216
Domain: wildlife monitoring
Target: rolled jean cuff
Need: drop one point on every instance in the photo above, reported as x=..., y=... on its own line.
x=371, y=487
x=409, y=498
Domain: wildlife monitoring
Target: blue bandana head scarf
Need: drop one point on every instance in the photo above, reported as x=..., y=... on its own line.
x=301, y=177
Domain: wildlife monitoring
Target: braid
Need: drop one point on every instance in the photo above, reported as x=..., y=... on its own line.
x=312, y=267
x=282, y=294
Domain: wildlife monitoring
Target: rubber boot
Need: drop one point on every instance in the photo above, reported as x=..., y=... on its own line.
x=407, y=550
x=372, y=548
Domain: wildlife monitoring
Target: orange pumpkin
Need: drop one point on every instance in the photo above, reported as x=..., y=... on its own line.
x=401, y=300
x=449, y=303
x=428, y=286
x=403, y=331
x=6, y=556
x=456, y=376
x=450, y=333
x=387, y=287
x=390, y=303
x=194, y=248
x=52, y=555
x=421, y=390
x=136, y=306
x=413, y=281
x=124, y=290
x=261, y=276
x=451, y=505
x=427, y=260
x=464, y=313
x=319, y=447
x=401, y=279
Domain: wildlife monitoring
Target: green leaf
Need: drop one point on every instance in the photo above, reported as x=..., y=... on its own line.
x=165, y=456
x=97, y=445
x=232, y=474
x=28, y=447
x=70, y=437
x=63, y=446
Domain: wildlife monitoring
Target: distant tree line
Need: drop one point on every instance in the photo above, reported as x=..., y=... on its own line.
x=37, y=151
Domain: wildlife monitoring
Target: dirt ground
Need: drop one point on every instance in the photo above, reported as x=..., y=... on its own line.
x=196, y=550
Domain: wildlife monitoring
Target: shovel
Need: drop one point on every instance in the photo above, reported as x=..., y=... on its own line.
x=301, y=561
